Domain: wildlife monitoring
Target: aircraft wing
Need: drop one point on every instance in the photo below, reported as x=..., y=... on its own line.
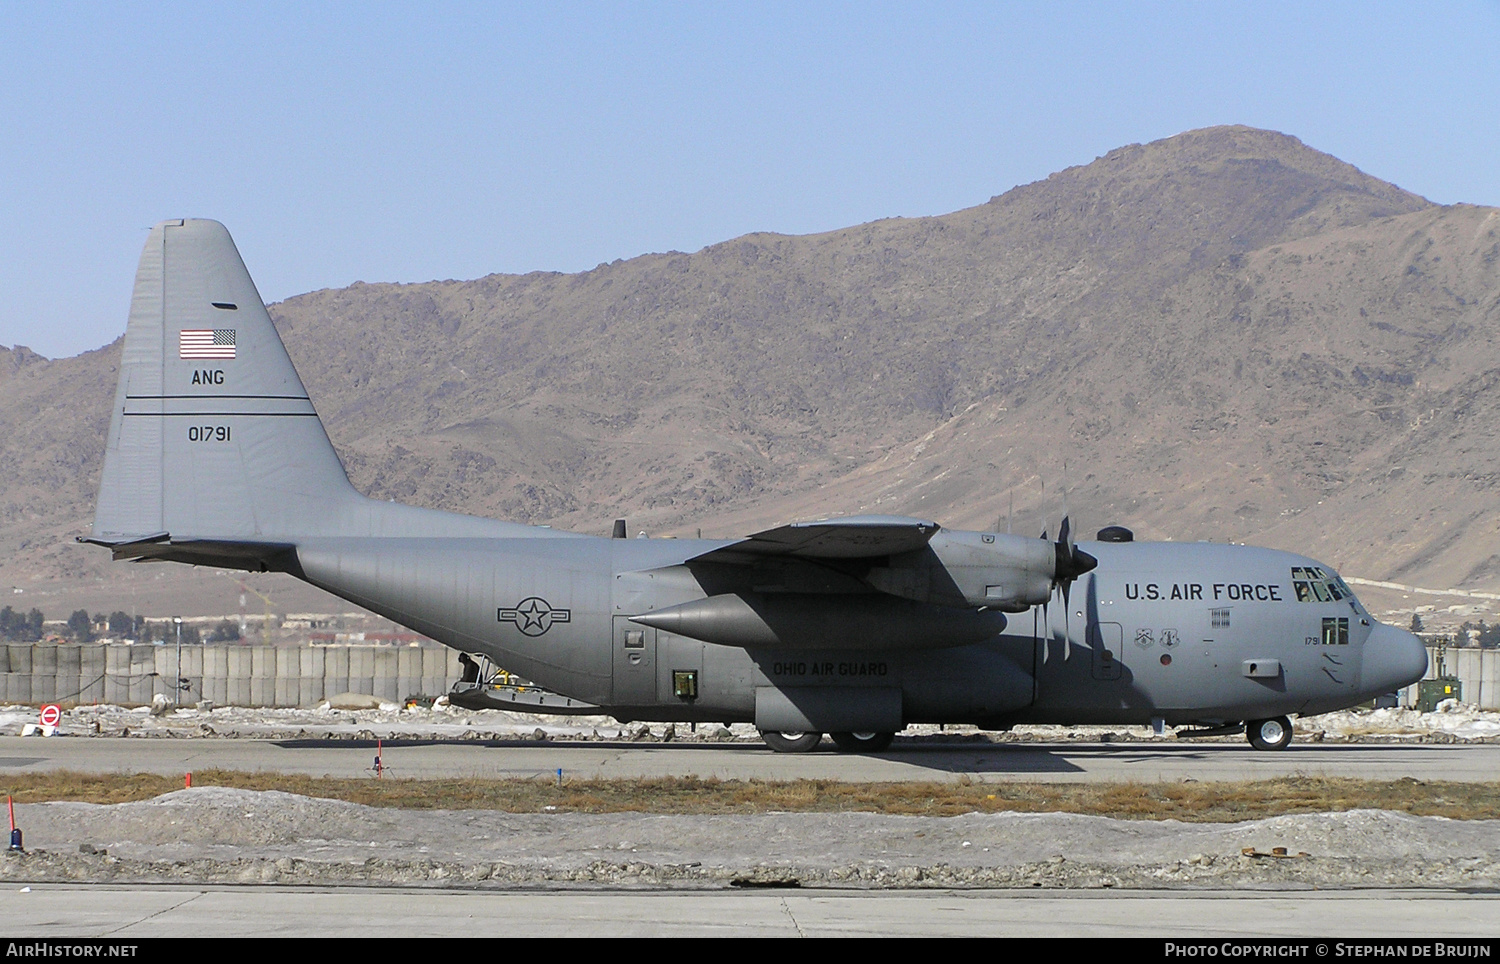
x=856, y=537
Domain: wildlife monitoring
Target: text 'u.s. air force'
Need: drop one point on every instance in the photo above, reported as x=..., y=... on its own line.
x=1233, y=591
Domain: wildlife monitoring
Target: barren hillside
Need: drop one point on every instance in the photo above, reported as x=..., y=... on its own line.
x=1224, y=334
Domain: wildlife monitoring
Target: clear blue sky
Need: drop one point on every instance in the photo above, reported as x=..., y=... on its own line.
x=344, y=142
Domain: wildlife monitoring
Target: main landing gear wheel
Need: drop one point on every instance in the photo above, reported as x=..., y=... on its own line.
x=787, y=742
x=1273, y=734
x=872, y=742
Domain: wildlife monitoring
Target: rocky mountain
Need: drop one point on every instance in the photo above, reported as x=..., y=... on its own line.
x=1222, y=335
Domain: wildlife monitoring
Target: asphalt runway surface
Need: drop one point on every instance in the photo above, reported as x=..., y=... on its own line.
x=119, y=914
x=1060, y=762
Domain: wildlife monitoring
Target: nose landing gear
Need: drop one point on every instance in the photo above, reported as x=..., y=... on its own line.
x=1272, y=734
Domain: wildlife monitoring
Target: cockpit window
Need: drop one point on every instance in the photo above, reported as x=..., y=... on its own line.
x=1312, y=583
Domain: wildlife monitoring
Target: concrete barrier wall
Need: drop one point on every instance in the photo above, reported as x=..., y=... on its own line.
x=228, y=674
x=1477, y=669
x=259, y=675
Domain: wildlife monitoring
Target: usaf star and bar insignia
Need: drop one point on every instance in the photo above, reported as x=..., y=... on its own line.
x=533, y=616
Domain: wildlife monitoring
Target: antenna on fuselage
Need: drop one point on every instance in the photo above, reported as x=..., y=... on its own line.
x=619, y=532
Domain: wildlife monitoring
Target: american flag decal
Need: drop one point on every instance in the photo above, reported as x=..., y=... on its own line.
x=206, y=343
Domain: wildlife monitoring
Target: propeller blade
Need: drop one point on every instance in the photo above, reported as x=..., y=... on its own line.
x=1066, y=513
x=1071, y=562
x=1067, y=626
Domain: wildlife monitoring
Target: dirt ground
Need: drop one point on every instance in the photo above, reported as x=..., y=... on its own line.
x=222, y=835
x=219, y=834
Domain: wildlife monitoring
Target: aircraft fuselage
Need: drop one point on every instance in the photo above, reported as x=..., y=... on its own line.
x=1178, y=631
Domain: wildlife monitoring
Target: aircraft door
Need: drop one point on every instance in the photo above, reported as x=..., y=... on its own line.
x=1107, y=640
x=634, y=663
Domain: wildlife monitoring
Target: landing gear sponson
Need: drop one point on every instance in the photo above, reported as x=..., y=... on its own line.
x=1271, y=734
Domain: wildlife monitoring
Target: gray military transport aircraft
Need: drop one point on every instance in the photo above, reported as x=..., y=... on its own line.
x=855, y=627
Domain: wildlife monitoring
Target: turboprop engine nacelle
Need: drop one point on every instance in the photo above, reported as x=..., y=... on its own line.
x=863, y=622
x=974, y=569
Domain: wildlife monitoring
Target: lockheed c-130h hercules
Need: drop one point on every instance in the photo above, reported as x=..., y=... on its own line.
x=854, y=627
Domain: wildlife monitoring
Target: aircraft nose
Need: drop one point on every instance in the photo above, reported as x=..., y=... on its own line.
x=1393, y=658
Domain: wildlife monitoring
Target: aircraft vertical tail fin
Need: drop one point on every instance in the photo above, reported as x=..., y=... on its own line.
x=215, y=453
x=212, y=435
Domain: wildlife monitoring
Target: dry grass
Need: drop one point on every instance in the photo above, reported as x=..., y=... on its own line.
x=1192, y=802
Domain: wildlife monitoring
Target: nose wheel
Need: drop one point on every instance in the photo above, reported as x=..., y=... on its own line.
x=1272, y=734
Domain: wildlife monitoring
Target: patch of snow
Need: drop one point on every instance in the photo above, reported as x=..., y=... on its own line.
x=1458, y=720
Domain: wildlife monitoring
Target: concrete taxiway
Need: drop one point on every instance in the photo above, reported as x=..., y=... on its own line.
x=1047, y=762
x=119, y=914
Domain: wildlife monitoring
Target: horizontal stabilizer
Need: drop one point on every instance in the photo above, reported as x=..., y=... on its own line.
x=252, y=556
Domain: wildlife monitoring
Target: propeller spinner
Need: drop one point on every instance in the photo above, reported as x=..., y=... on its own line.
x=1072, y=562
